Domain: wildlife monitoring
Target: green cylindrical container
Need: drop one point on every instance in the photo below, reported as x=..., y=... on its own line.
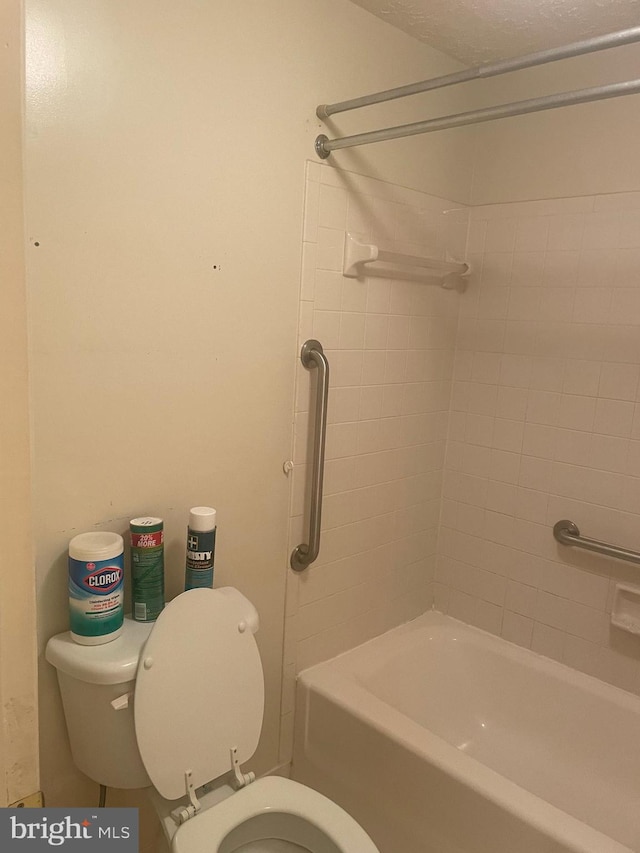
x=147, y=568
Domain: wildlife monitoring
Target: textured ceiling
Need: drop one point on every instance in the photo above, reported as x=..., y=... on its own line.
x=476, y=31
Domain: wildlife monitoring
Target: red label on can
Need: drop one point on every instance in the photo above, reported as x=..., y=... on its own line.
x=147, y=540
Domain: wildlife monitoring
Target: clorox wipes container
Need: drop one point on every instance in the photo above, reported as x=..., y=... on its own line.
x=96, y=572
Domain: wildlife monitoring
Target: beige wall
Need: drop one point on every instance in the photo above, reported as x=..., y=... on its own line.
x=166, y=154
x=580, y=150
x=19, y=730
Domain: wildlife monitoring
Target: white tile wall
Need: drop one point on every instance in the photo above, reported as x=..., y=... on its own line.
x=545, y=424
x=390, y=346
x=530, y=380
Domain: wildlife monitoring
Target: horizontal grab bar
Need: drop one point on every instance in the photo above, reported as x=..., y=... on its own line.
x=359, y=256
x=435, y=264
x=568, y=533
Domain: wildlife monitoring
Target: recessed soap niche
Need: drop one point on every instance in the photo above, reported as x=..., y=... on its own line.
x=625, y=613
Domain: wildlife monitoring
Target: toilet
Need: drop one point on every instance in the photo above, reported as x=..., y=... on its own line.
x=178, y=705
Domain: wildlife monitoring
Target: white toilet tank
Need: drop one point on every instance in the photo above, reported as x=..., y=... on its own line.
x=213, y=628
x=103, y=740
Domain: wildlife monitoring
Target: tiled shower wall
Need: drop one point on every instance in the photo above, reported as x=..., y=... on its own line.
x=540, y=423
x=545, y=425
x=390, y=345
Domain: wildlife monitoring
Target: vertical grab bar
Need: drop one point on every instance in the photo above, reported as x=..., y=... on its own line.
x=312, y=355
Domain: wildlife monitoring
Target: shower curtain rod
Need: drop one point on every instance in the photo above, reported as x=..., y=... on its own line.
x=324, y=146
x=492, y=69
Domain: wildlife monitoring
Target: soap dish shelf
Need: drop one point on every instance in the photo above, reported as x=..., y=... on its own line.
x=625, y=613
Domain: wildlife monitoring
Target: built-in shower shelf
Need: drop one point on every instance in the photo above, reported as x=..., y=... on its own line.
x=366, y=259
x=625, y=613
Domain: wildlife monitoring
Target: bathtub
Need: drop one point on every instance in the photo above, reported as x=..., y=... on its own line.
x=440, y=738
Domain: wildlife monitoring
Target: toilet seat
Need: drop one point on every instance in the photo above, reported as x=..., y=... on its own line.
x=199, y=691
x=273, y=807
x=207, y=726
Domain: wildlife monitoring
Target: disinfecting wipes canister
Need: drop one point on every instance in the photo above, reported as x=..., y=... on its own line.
x=96, y=572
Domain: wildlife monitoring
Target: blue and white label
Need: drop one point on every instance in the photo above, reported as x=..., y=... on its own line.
x=96, y=596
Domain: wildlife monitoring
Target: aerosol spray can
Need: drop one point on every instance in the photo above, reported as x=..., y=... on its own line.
x=201, y=547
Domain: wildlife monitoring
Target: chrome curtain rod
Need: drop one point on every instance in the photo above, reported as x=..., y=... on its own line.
x=324, y=146
x=487, y=70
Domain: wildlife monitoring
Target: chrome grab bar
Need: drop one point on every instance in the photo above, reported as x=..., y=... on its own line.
x=312, y=355
x=567, y=533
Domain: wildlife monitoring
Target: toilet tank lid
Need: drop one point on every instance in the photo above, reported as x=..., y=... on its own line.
x=115, y=662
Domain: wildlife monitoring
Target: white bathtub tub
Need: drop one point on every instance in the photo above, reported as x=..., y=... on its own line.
x=440, y=738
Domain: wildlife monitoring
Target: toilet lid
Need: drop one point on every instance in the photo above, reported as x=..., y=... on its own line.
x=199, y=692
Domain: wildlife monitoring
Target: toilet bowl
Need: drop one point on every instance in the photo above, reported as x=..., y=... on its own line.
x=178, y=705
x=290, y=815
